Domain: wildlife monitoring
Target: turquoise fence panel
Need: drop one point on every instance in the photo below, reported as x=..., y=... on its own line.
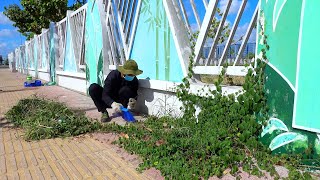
x=307, y=102
x=280, y=15
x=26, y=58
x=35, y=53
x=93, y=45
x=52, y=55
x=153, y=46
x=292, y=29
x=69, y=58
x=43, y=51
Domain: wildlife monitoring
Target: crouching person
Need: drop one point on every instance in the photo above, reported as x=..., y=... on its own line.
x=120, y=89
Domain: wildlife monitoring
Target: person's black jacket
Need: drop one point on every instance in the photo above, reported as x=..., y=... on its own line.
x=114, y=84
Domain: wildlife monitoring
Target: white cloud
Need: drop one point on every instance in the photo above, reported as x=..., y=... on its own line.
x=8, y=32
x=7, y=47
x=4, y=20
x=241, y=31
x=228, y=23
x=3, y=45
x=194, y=27
x=9, y=40
x=189, y=13
x=235, y=5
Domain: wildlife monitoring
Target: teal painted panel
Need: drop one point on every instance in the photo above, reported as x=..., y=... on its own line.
x=282, y=28
x=26, y=58
x=22, y=59
x=280, y=99
x=286, y=138
x=285, y=84
x=69, y=58
x=307, y=99
x=153, y=46
x=52, y=55
x=43, y=56
x=35, y=54
x=93, y=47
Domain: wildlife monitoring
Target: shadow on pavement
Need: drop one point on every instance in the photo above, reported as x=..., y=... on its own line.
x=16, y=90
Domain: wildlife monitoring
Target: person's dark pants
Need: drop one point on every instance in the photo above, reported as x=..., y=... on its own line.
x=123, y=96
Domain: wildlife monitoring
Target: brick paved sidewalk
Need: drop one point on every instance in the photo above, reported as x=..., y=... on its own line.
x=89, y=156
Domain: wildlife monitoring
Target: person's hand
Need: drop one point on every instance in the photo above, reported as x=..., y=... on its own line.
x=116, y=107
x=132, y=104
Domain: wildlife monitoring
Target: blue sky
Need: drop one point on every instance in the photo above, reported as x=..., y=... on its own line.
x=10, y=38
x=244, y=22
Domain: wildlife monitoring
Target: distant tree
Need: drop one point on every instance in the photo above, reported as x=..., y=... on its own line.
x=1, y=59
x=77, y=4
x=37, y=14
x=6, y=62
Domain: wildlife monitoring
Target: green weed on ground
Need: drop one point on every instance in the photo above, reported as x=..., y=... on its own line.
x=42, y=119
x=184, y=149
x=180, y=148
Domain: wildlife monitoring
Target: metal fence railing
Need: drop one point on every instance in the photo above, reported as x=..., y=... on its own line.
x=31, y=53
x=121, y=21
x=213, y=30
x=61, y=30
x=43, y=49
x=217, y=23
x=77, y=25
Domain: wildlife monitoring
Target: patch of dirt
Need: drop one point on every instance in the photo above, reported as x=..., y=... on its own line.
x=227, y=80
x=135, y=160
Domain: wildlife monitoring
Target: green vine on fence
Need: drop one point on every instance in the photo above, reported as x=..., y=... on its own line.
x=233, y=123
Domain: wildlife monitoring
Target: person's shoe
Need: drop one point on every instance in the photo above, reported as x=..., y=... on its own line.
x=105, y=117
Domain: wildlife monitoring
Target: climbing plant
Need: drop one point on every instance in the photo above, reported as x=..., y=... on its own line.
x=232, y=123
x=217, y=132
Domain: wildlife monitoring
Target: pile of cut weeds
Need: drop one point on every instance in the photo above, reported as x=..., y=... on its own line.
x=42, y=119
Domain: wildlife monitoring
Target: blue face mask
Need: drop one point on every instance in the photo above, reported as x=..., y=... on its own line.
x=128, y=78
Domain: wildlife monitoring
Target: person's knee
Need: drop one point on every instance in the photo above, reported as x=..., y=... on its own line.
x=126, y=93
x=93, y=88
